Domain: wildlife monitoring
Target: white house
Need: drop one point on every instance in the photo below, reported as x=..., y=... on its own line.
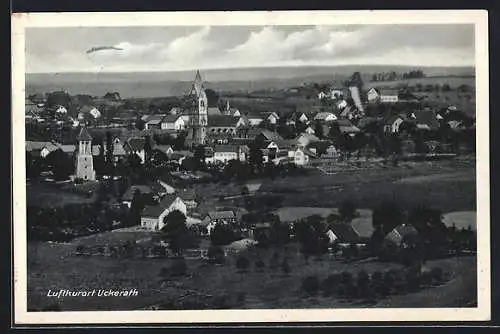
x=336, y=93
x=309, y=130
x=341, y=104
x=225, y=153
x=254, y=119
x=215, y=218
x=383, y=95
x=173, y=122
x=305, y=139
x=322, y=95
x=153, y=215
x=372, y=95
x=325, y=117
x=272, y=117
x=61, y=110
x=298, y=156
x=393, y=123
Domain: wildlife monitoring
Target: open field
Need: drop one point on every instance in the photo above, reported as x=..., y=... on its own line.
x=454, y=82
x=51, y=267
x=446, y=185
x=51, y=195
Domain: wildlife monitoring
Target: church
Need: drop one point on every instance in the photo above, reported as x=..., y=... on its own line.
x=197, y=107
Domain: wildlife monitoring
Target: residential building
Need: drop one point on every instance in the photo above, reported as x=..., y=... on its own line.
x=188, y=196
x=215, y=218
x=173, y=122
x=41, y=149
x=152, y=217
x=254, y=118
x=346, y=127
x=128, y=196
x=135, y=145
x=272, y=117
x=325, y=117
x=225, y=153
x=305, y=139
x=393, y=123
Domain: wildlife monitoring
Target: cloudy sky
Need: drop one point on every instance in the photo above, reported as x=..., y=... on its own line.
x=187, y=48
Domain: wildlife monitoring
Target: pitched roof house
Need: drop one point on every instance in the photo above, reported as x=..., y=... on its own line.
x=152, y=217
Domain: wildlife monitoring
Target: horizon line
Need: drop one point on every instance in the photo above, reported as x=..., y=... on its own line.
x=246, y=67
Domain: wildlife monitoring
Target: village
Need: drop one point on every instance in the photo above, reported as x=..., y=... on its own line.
x=204, y=179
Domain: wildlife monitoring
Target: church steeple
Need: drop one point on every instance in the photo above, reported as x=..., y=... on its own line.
x=84, y=159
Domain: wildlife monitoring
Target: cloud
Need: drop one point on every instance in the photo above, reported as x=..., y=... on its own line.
x=178, y=48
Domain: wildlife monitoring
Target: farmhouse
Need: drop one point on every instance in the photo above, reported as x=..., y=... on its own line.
x=153, y=215
x=346, y=127
x=188, y=196
x=128, y=196
x=383, y=95
x=135, y=146
x=215, y=218
x=343, y=233
x=393, y=123
x=173, y=122
x=424, y=120
x=41, y=149
x=401, y=236
x=88, y=110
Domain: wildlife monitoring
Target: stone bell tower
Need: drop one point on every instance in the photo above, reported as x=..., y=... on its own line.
x=84, y=159
x=198, y=117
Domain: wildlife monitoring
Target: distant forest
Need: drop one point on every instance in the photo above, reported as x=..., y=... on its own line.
x=393, y=76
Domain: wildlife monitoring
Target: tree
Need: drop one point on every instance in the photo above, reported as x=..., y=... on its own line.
x=175, y=231
x=347, y=210
x=62, y=165
x=260, y=265
x=212, y=97
x=222, y=235
x=318, y=130
x=199, y=155
x=256, y=158
x=310, y=285
x=216, y=254
x=363, y=284
x=148, y=149
x=242, y=263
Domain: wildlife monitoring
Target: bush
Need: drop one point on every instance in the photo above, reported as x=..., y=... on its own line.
x=216, y=254
x=285, y=267
x=260, y=265
x=178, y=267
x=377, y=283
x=165, y=272
x=363, y=284
x=347, y=210
x=242, y=263
x=310, y=285
x=330, y=284
x=437, y=275
x=346, y=286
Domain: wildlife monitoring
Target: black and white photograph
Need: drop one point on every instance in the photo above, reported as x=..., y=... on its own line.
x=290, y=167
